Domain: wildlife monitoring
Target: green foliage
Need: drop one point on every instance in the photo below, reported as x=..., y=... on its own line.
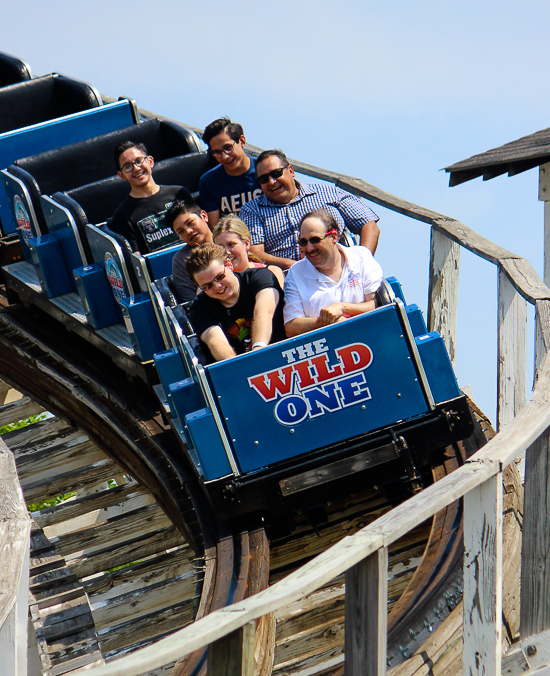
x=51, y=502
x=22, y=423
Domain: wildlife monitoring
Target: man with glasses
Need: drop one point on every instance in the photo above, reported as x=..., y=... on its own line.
x=274, y=217
x=140, y=217
x=235, y=311
x=224, y=189
x=332, y=282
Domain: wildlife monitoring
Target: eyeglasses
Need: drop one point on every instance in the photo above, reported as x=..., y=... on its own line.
x=217, y=280
x=128, y=167
x=226, y=150
x=303, y=242
x=274, y=173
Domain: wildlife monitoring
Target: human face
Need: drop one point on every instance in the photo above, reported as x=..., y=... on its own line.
x=281, y=190
x=236, y=248
x=321, y=255
x=193, y=229
x=229, y=153
x=139, y=177
x=220, y=281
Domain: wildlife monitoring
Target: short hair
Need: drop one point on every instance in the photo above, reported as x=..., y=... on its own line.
x=272, y=153
x=326, y=219
x=203, y=256
x=180, y=207
x=123, y=146
x=223, y=124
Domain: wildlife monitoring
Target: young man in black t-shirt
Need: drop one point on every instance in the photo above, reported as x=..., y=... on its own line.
x=140, y=217
x=236, y=311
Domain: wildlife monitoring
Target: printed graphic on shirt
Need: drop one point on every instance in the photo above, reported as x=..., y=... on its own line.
x=232, y=204
x=238, y=335
x=154, y=231
x=354, y=279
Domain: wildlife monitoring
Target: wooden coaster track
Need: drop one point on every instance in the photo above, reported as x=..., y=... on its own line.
x=183, y=561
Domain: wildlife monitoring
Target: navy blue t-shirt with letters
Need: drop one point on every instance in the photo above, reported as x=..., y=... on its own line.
x=218, y=191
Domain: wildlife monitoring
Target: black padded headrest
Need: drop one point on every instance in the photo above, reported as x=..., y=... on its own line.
x=44, y=98
x=91, y=160
x=13, y=70
x=166, y=290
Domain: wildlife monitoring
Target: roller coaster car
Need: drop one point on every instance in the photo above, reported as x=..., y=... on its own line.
x=293, y=425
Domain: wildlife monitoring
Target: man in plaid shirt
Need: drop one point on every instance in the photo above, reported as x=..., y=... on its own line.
x=274, y=218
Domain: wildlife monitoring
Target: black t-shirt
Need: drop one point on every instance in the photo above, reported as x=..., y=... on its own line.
x=141, y=219
x=236, y=321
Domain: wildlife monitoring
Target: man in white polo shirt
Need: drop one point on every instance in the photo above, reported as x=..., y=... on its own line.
x=331, y=283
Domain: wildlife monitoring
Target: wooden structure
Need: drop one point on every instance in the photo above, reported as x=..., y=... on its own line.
x=363, y=557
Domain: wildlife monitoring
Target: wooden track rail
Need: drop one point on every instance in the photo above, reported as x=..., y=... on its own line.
x=362, y=557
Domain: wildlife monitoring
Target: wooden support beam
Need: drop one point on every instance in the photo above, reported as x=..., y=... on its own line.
x=482, y=619
x=512, y=354
x=443, y=288
x=233, y=655
x=366, y=625
x=535, y=552
x=542, y=334
x=544, y=196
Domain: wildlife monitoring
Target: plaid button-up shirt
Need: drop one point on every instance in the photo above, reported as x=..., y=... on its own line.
x=277, y=226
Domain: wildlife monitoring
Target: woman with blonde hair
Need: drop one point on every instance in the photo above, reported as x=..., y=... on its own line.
x=231, y=233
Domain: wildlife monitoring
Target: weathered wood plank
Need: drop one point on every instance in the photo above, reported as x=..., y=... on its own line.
x=542, y=335
x=367, y=616
x=145, y=628
x=144, y=600
x=512, y=354
x=535, y=560
x=233, y=655
x=482, y=619
x=18, y=410
x=131, y=550
x=72, y=509
x=34, y=434
x=15, y=528
x=111, y=531
x=65, y=455
x=96, y=518
x=37, y=491
x=443, y=289
x=164, y=566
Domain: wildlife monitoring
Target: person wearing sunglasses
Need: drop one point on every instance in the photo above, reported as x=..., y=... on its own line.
x=235, y=311
x=274, y=218
x=224, y=189
x=140, y=216
x=331, y=283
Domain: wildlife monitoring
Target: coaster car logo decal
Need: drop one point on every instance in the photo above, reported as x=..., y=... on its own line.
x=312, y=386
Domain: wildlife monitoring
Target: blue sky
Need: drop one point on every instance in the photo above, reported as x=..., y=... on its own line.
x=389, y=92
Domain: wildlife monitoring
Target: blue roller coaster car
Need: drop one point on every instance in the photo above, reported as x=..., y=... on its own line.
x=363, y=402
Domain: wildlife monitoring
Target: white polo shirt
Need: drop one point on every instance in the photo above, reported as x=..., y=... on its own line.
x=308, y=291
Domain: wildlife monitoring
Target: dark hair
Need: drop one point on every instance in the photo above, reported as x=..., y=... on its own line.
x=272, y=153
x=180, y=207
x=123, y=146
x=202, y=256
x=219, y=126
x=326, y=219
